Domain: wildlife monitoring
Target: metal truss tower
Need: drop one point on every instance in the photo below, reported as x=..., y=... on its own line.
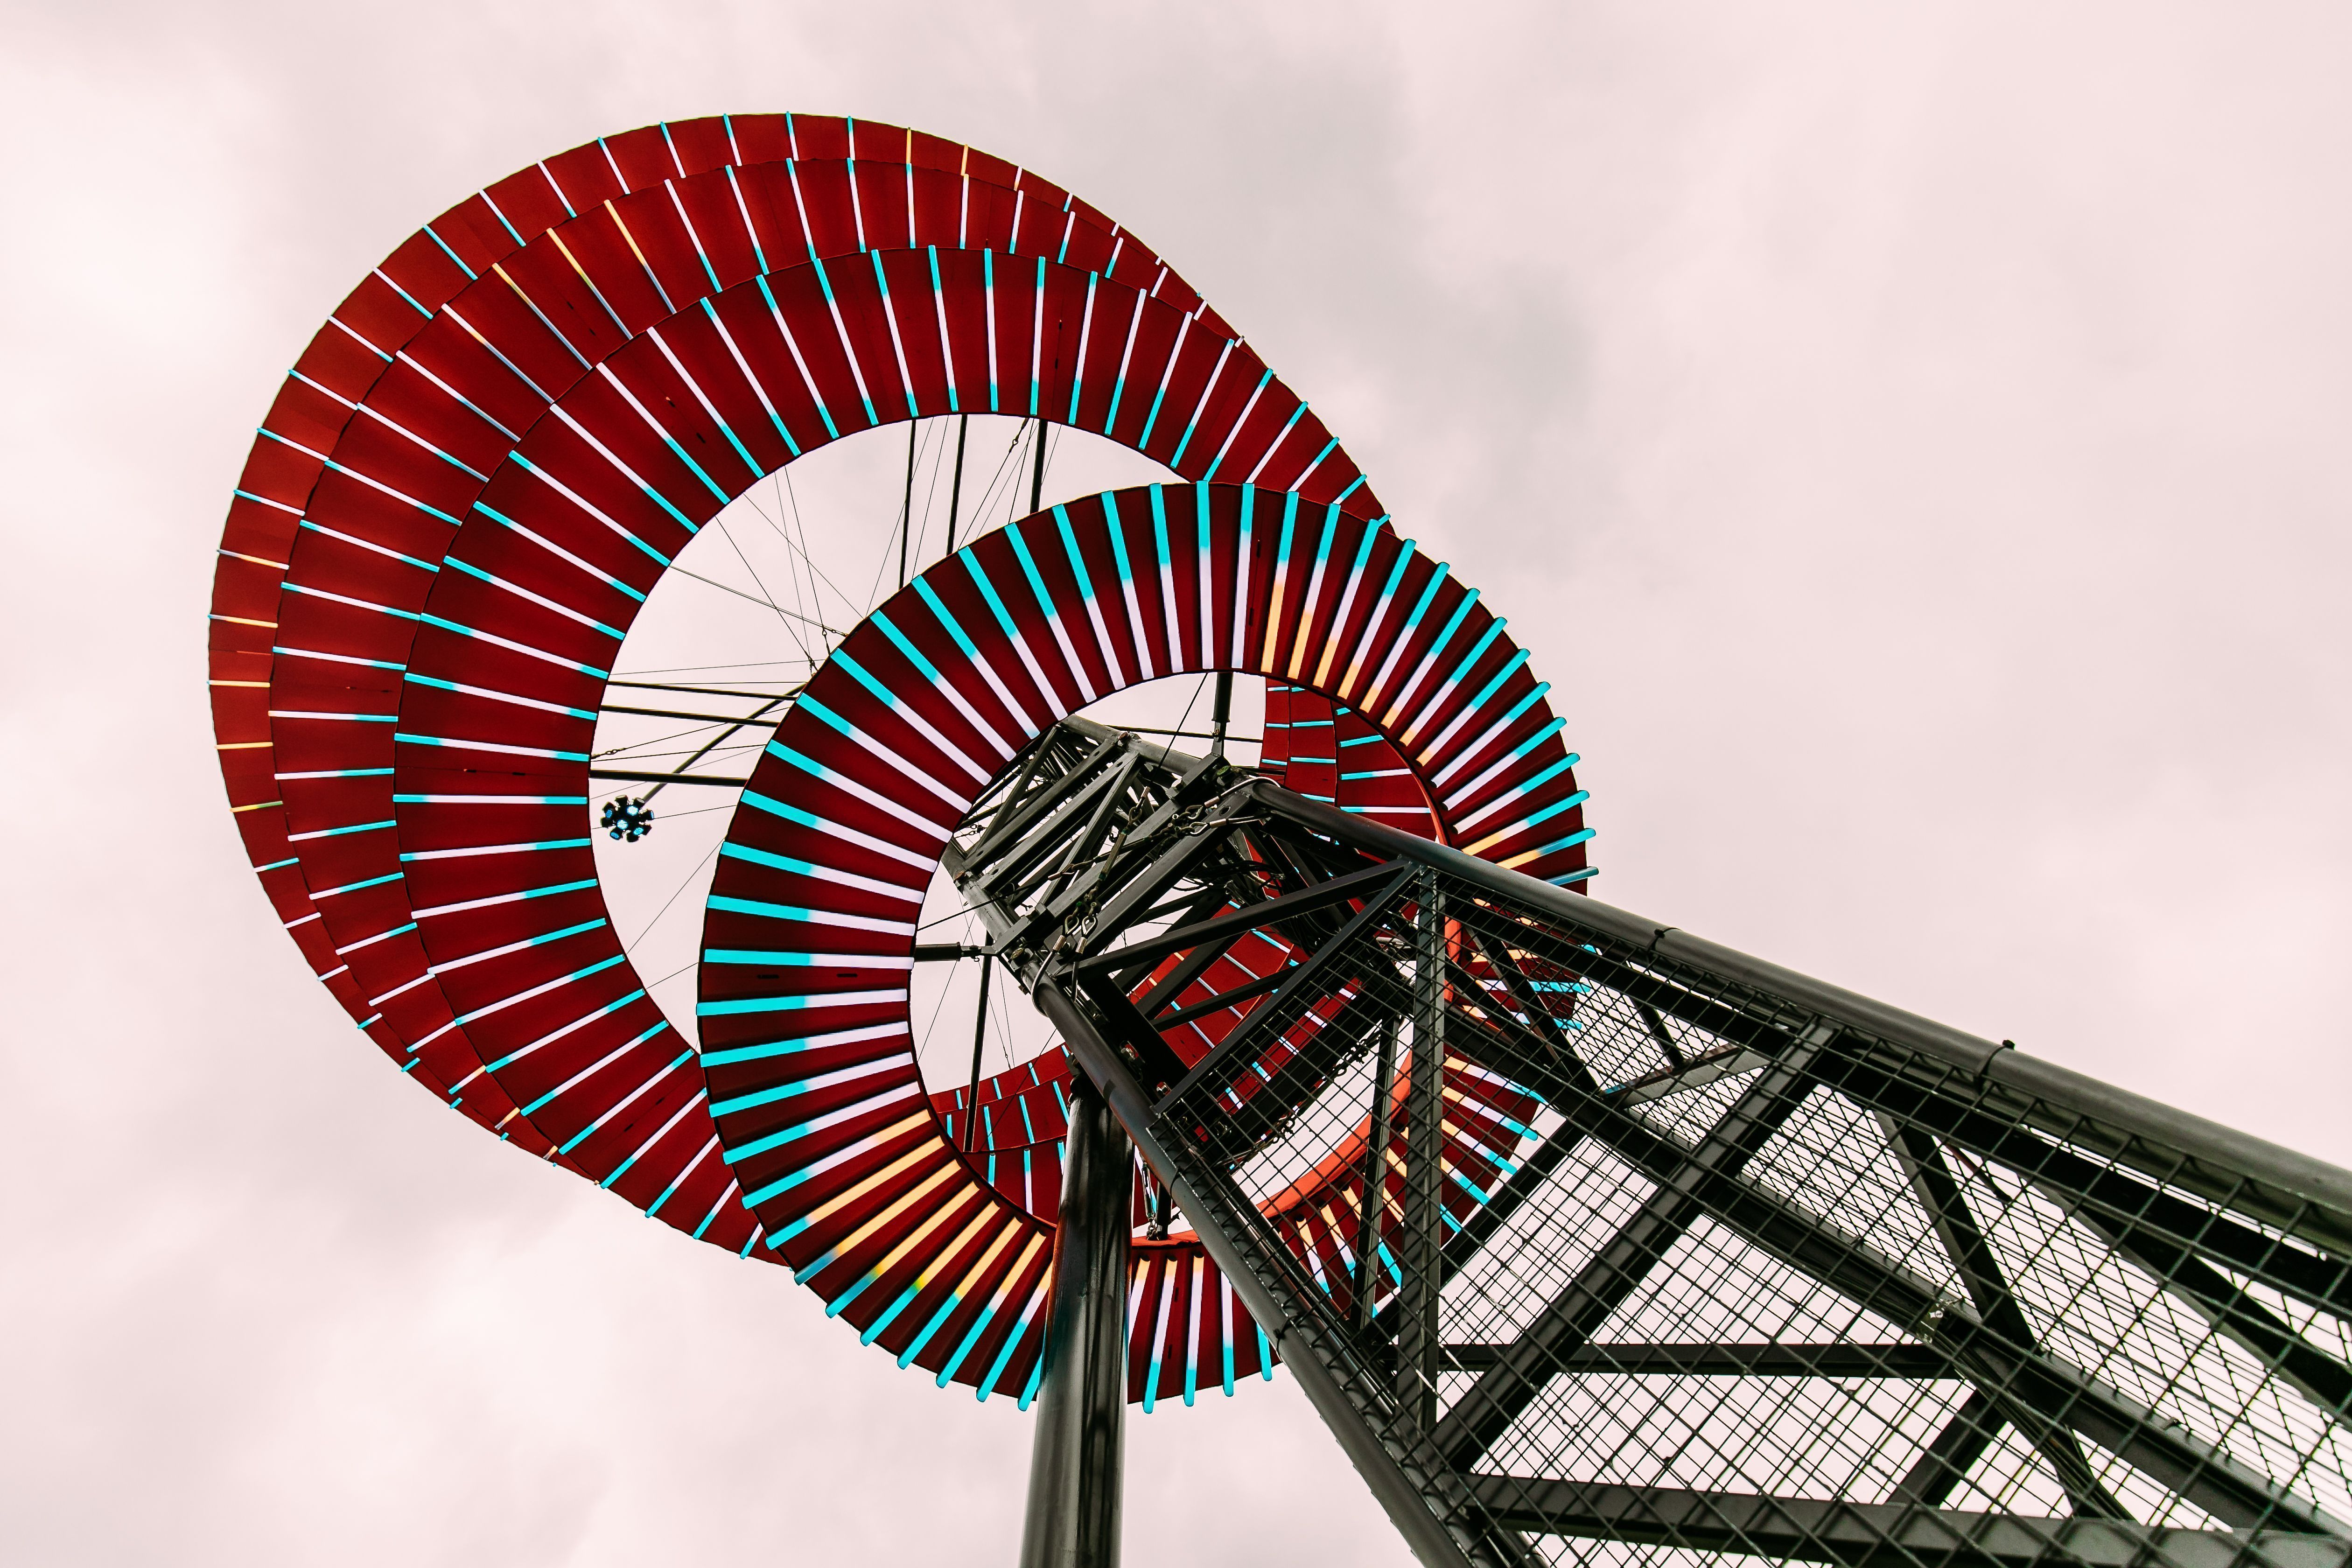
x=1733, y=1262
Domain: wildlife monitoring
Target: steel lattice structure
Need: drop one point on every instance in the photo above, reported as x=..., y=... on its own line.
x=1700, y=1255
x=1588, y=1238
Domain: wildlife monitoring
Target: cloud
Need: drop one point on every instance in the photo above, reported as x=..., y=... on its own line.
x=1906, y=441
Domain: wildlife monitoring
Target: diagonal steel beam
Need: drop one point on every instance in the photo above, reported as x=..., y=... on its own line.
x=1088, y=839
x=1020, y=861
x=1988, y=1286
x=2126, y=1203
x=1190, y=967
x=2160, y=1447
x=1539, y=1017
x=1420, y=1256
x=1254, y=1030
x=1019, y=811
x=2133, y=1205
x=1486, y=1409
x=2308, y=1199
x=1235, y=922
x=1372, y=1193
x=1953, y=1452
x=1221, y=1001
x=2054, y=1390
x=1119, y=911
x=1767, y=1360
x=1422, y=1496
x=2317, y=1375
x=1878, y=1535
x=1013, y=870
x=1670, y=1047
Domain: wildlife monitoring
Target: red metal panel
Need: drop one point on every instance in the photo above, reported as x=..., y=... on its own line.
x=1070, y=633
x=886, y=219
x=472, y=235
x=756, y=139
x=379, y=315
x=516, y=297
x=938, y=195
x=424, y=271
x=697, y=146
x=644, y=157
x=525, y=203
x=583, y=176
x=714, y=219
x=502, y=313
x=608, y=254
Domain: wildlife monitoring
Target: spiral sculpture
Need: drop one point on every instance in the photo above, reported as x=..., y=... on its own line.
x=484, y=462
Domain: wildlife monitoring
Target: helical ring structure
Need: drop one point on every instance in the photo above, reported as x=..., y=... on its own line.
x=477, y=471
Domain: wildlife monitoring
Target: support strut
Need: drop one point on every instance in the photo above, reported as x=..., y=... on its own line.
x=1075, y=1466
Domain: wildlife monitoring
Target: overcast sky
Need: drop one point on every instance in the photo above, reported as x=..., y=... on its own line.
x=1910, y=439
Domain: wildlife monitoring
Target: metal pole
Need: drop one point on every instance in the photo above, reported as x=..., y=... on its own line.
x=906, y=507
x=955, y=489
x=1341, y=1407
x=1075, y=1461
x=979, y=1035
x=1038, y=469
x=1418, y=1338
x=1222, y=712
x=1376, y=1175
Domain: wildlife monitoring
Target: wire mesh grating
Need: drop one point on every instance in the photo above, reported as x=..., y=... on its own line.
x=1667, y=1259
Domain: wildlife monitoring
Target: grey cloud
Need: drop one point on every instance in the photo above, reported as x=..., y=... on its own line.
x=1908, y=443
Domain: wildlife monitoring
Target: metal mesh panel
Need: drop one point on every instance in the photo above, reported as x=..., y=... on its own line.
x=1756, y=1271
x=1598, y=1246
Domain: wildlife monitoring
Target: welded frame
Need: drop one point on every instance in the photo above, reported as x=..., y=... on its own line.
x=1112, y=865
